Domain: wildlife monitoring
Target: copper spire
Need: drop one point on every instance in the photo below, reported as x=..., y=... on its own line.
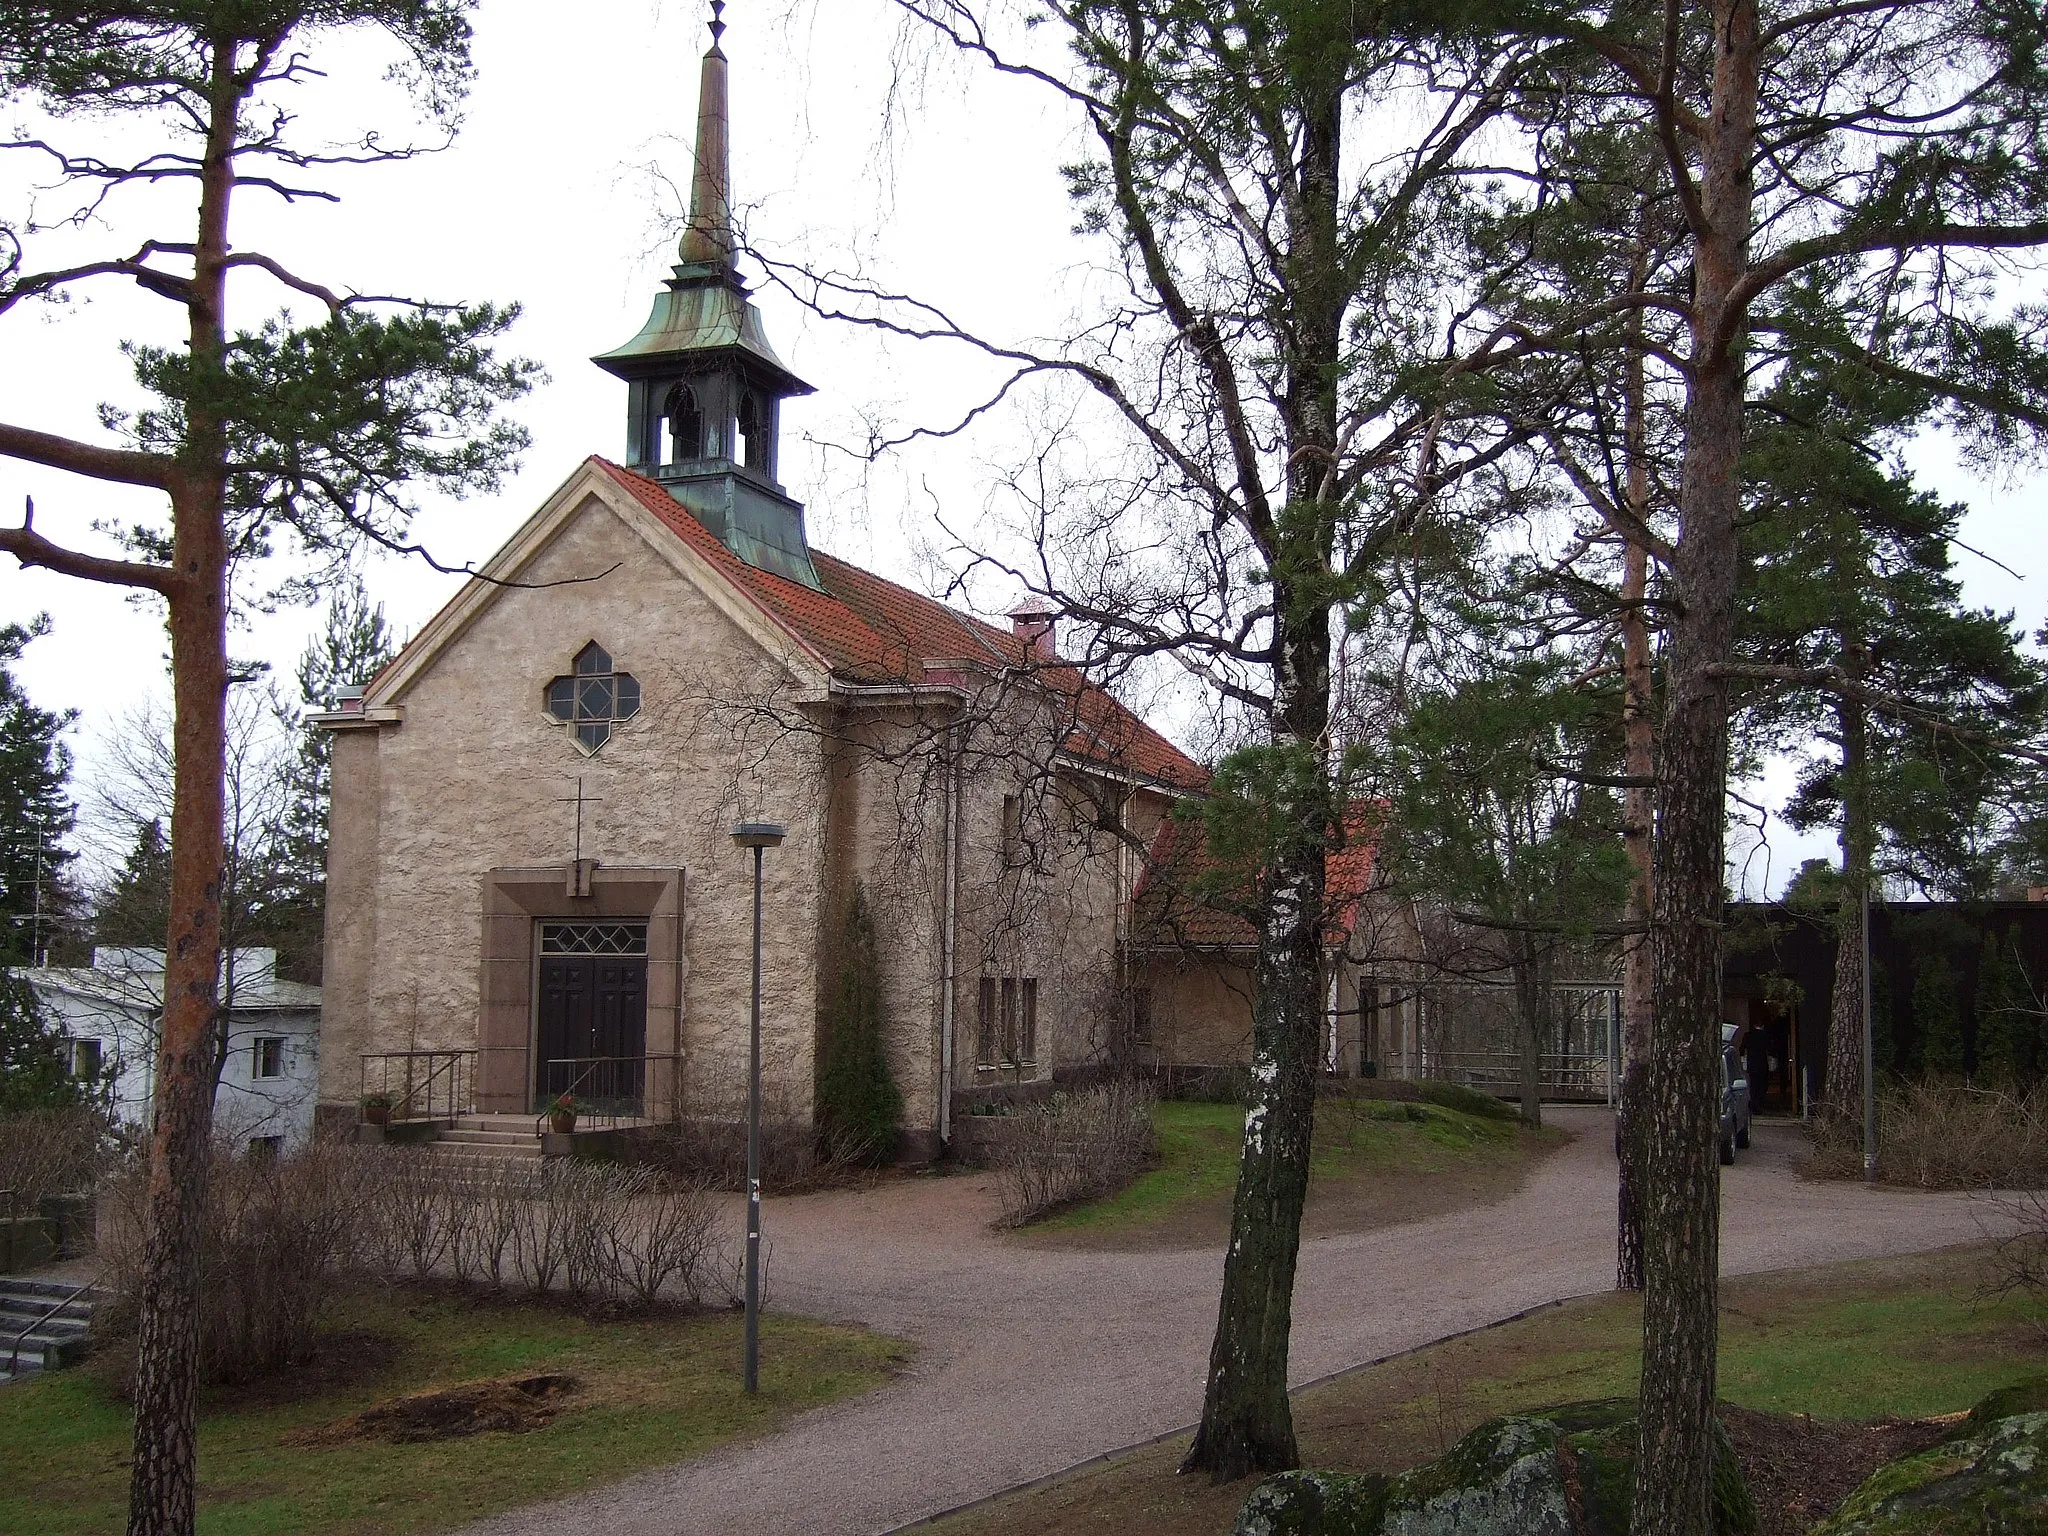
x=707, y=238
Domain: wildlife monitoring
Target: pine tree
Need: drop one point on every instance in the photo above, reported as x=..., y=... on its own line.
x=36, y=813
x=34, y=1073
x=858, y=1102
x=1937, y=1016
x=353, y=644
x=135, y=909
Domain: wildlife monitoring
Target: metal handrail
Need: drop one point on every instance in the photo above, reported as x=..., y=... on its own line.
x=14, y=1355
x=600, y=1067
x=438, y=1063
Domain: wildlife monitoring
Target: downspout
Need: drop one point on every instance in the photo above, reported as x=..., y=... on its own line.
x=946, y=938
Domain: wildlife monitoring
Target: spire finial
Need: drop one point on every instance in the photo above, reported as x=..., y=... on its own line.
x=707, y=238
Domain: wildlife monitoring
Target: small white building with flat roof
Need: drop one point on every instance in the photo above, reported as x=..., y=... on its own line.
x=110, y=1011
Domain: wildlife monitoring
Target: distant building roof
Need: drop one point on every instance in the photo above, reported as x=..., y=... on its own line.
x=134, y=978
x=1187, y=897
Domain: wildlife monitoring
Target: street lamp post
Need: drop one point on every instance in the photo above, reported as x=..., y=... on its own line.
x=759, y=836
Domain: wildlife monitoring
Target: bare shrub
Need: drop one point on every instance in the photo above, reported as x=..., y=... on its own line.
x=52, y=1152
x=711, y=1146
x=669, y=1240
x=1078, y=1146
x=1942, y=1134
x=278, y=1234
x=728, y=1270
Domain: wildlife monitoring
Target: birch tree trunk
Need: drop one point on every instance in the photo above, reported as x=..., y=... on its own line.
x=1247, y=1424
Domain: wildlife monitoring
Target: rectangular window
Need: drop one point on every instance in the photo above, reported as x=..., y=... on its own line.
x=86, y=1060
x=269, y=1057
x=263, y=1149
x=1013, y=828
x=1141, y=1016
x=1006, y=1019
x=985, y=1023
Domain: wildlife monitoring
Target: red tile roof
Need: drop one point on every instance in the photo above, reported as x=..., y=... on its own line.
x=869, y=631
x=1186, y=896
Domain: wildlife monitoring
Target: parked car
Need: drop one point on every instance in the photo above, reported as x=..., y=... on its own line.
x=1734, y=1097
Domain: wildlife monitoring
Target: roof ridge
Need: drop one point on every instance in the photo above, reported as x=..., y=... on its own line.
x=853, y=632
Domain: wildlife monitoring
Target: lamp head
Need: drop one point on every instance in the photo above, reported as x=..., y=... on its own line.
x=758, y=834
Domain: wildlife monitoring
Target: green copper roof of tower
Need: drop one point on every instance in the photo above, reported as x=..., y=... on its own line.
x=702, y=310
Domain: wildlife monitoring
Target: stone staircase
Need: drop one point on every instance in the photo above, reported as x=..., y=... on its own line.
x=487, y=1138
x=47, y=1339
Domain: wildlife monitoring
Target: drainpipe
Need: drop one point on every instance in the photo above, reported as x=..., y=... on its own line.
x=946, y=940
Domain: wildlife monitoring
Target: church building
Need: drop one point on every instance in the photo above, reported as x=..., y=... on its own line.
x=533, y=885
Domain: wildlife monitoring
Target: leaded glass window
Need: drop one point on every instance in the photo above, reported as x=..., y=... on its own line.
x=593, y=938
x=593, y=698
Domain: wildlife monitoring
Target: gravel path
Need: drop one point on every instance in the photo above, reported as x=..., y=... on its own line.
x=1032, y=1359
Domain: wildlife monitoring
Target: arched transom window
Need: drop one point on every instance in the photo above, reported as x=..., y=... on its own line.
x=592, y=698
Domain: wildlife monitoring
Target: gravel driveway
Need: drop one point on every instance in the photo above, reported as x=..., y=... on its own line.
x=1033, y=1359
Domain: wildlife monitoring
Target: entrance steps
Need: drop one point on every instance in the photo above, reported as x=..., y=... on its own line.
x=488, y=1137
x=46, y=1319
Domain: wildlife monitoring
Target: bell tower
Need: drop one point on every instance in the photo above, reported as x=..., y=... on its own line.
x=704, y=390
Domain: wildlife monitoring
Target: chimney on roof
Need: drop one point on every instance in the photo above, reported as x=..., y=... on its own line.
x=1032, y=621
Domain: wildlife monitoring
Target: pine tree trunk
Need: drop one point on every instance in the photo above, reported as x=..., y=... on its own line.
x=1638, y=820
x=1682, y=1184
x=1842, y=1099
x=1531, y=1025
x=1638, y=817
x=162, y=1482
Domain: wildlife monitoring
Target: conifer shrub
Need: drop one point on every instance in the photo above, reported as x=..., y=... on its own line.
x=2009, y=1015
x=858, y=1105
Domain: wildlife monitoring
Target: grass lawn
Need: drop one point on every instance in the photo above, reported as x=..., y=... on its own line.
x=650, y=1391
x=1898, y=1338
x=1376, y=1162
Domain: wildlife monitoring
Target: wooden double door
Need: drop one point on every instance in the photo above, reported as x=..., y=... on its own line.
x=591, y=1039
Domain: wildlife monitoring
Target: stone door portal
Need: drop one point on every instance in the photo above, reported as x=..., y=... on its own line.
x=591, y=1039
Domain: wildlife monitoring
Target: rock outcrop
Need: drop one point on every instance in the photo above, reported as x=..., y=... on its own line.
x=1989, y=1480
x=1564, y=1471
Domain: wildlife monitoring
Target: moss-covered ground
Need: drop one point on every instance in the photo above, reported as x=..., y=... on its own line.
x=650, y=1391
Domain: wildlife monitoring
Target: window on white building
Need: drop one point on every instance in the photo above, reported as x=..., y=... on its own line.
x=87, y=1061
x=269, y=1057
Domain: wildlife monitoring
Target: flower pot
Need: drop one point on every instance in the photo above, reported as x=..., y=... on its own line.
x=376, y=1114
x=562, y=1121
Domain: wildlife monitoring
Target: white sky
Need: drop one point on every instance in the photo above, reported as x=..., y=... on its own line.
x=545, y=199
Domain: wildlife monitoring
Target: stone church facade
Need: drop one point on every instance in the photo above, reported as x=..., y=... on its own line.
x=531, y=855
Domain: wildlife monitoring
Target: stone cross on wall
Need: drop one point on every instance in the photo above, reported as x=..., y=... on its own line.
x=580, y=868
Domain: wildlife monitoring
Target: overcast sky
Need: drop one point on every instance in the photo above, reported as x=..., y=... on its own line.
x=547, y=199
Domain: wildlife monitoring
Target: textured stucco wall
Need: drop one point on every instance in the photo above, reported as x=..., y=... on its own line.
x=478, y=777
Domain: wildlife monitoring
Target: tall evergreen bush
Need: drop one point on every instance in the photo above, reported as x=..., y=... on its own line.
x=2009, y=1021
x=858, y=1103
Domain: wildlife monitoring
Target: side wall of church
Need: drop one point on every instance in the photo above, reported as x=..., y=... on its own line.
x=479, y=777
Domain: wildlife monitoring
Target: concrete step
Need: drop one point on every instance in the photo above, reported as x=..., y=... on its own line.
x=44, y=1343
x=461, y=1137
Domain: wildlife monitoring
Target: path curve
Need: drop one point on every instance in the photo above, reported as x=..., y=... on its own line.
x=1033, y=1359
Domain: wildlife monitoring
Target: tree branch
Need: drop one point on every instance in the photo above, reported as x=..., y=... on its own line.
x=31, y=548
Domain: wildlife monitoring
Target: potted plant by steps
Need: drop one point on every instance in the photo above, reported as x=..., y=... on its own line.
x=376, y=1108
x=562, y=1115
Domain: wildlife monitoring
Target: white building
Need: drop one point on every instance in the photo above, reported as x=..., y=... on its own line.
x=109, y=1013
